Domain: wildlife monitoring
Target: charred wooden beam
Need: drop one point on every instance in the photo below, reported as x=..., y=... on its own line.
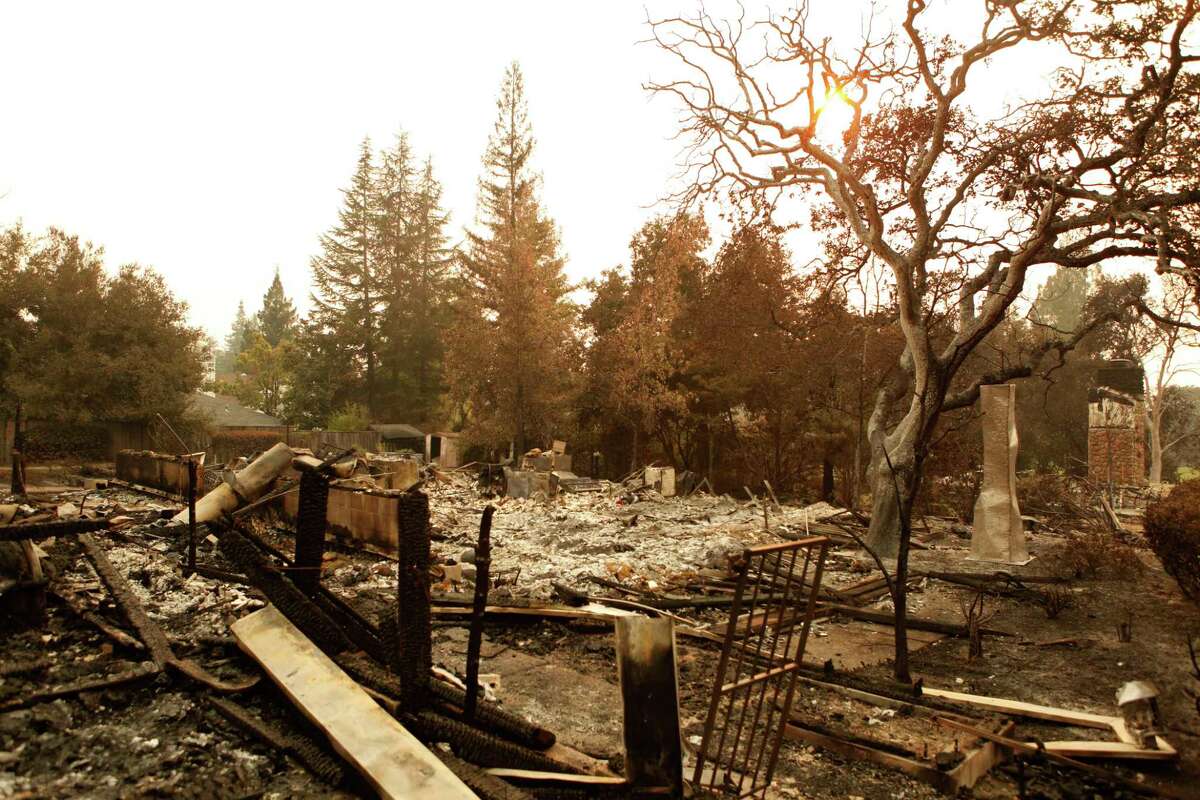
x=478, y=746
x=310, y=530
x=361, y=632
x=302, y=611
x=488, y=787
x=151, y=635
x=301, y=747
x=449, y=699
x=35, y=531
x=483, y=561
x=413, y=658
x=140, y=672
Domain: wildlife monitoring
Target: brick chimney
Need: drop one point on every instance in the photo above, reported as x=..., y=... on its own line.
x=1117, y=425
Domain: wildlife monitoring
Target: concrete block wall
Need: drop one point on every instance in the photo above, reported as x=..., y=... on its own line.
x=158, y=471
x=369, y=516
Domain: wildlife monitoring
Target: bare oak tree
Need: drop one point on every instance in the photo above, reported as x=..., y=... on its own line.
x=958, y=200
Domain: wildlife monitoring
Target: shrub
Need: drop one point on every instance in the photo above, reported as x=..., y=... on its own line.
x=228, y=445
x=1173, y=530
x=1094, y=554
x=47, y=442
x=350, y=417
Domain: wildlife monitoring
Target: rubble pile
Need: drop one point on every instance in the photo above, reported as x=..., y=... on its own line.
x=162, y=643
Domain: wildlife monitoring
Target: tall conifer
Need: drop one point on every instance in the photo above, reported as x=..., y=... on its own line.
x=346, y=301
x=509, y=357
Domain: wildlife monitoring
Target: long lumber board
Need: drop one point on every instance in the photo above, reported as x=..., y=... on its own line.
x=378, y=746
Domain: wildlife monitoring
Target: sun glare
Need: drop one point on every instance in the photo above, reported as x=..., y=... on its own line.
x=834, y=114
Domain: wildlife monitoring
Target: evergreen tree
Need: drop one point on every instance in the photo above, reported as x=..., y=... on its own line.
x=413, y=262
x=347, y=301
x=1061, y=299
x=394, y=185
x=509, y=357
x=428, y=296
x=240, y=337
x=277, y=319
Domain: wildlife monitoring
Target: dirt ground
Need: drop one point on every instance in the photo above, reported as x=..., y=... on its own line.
x=163, y=738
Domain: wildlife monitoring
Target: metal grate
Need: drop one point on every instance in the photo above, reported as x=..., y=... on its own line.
x=764, y=643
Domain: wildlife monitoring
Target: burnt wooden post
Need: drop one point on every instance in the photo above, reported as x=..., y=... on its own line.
x=191, y=473
x=18, y=455
x=310, y=530
x=650, y=696
x=483, y=560
x=414, y=657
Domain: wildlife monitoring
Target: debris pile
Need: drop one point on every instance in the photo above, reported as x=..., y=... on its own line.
x=279, y=615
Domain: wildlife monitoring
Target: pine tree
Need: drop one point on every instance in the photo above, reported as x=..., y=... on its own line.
x=395, y=190
x=347, y=301
x=509, y=357
x=277, y=319
x=238, y=340
x=431, y=259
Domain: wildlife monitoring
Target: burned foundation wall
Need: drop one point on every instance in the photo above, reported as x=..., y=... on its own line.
x=368, y=516
x=157, y=470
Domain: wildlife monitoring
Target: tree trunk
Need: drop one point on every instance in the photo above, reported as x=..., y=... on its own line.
x=827, y=479
x=633, y=455
x=1156, y=447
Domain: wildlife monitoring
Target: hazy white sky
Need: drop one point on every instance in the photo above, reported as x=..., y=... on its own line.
x=211, y=141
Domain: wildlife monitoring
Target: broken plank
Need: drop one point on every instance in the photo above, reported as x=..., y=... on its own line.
x=395, y=763
x=1092, y=749
x=566, y=778
x=1032, y=710
x=912, y=623
x=592, y=611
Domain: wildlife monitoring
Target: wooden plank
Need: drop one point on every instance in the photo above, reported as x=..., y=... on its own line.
x=568, y=778
x=591, y=611
x=910, y=767
x=1092, y=749
x=1017, y=708
x=395, y=763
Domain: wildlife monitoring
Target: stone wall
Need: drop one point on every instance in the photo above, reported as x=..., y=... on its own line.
x=158, y=471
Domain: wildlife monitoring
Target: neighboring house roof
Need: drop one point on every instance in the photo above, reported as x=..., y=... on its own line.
x=226, y=412
x=398, y=431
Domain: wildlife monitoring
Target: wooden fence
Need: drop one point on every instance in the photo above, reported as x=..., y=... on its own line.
x=143, y=436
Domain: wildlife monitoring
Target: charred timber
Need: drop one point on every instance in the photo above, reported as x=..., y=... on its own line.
x=294, y=604
x=299, y=746
x=483, y=561
x=413, y=657
x=35, y=531
x=478, y=746
x=310, y=530
x=449, y=699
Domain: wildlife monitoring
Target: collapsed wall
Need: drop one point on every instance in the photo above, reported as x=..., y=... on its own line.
x=158, y=471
